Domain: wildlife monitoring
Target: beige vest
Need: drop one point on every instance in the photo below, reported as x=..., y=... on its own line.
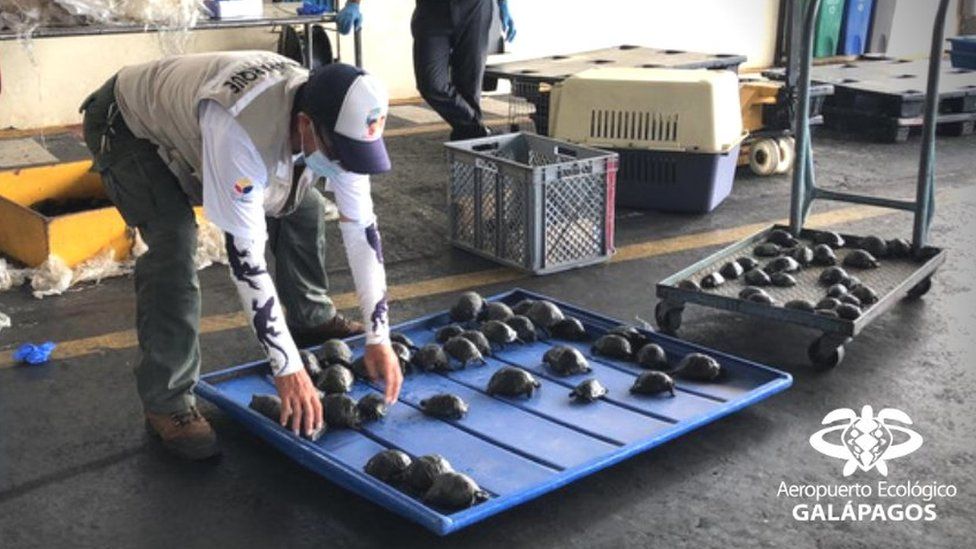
x=160, y=101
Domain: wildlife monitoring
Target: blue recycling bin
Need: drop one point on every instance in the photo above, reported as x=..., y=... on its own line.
x=857, y=20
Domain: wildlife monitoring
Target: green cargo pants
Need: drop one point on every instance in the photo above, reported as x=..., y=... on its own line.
x=150, y=198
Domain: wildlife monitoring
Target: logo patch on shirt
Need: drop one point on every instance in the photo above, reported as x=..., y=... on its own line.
x=243, y=187
x=375, y=121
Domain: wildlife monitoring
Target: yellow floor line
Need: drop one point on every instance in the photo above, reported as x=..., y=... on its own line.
x=214, y=323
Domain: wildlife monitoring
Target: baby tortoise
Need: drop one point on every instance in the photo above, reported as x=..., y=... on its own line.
x=851, y=281
x=404, y=355
x=613, y=346
x=498, y=332
x=782, y=238
x=652, y=383
x=782, y=265
x=312, y=366
x=463, y=350
x=371, y=407
x=783, y=280
x=690, y=285
x=496, y=310
x=802, y=254
x=767, y=249
x=747, y=263
x=827, y=312
x=269, y=406
x=512, y=381
x=652, y=357
x=454, y=491
x=335, y=351
x=570, y=329
x=524, y=328
x=848, y=311
x=431, y=358
x=444, y=406
x=861, y=259
x=388, y=466
x=731, y=270
x=801, y=305
x=545, y=314
x=340, y=411
x=447, y=332
x=899, y=248
x=358, y=367
x=833, y=275
x=420, y=474
x=699, y=367
x=522, y=307
x=401, y=338
x=828, y=238
x=757, y=277
x=588, y=390
x=713, y=280
x=837, y=290
x=830, y=303
x=865, y=294
x=479, y=340
x=566, y=361
x=874, y=246
x=851, y=300
x=467, y=308
x=748, y=292
x=824, y=256
x=761, y=297
x=335, y=379
x=631, y=334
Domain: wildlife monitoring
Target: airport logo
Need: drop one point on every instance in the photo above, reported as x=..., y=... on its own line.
x=866, y=441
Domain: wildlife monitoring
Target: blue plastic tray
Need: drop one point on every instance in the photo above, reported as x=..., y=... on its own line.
x=515, y=448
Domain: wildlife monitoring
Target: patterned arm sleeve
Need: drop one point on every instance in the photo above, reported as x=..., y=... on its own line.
x=260, y=301
x=361, y=238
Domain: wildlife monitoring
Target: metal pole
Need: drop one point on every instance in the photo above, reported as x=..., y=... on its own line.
x=309, y=48
x=924, y=193
x=357, y=44
x=803, y=182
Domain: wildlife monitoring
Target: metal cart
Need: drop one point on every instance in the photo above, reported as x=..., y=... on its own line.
x=895, y=279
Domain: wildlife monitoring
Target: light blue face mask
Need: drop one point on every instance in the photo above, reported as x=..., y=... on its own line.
x=322, y=165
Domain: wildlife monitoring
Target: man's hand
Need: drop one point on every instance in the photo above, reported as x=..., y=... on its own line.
x=382, y=362
x=505, y=17
x=349, y=17
x=299, y=402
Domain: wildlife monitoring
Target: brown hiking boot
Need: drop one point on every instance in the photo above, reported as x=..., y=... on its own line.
x=186, y=434
x=338, y=327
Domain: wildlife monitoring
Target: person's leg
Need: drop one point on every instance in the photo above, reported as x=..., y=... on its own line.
x=149, y=197
x=299, y=247
x=432, y=30
x=469, y=52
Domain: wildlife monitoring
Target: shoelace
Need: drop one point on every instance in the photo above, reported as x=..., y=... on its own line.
x=184, y=418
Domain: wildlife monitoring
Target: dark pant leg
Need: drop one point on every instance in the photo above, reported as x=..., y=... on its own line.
x=469, y=51
x=433, y=29
x=150, y=198
x=299, y=247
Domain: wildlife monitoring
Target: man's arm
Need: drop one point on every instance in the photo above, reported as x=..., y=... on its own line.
x=234, y=177
x=364, y=250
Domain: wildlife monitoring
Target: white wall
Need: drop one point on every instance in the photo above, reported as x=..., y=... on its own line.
x=911, y=30
x=48, y=91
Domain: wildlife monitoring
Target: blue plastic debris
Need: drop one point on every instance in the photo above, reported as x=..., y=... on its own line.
x=34, y=354
x=514, y=448
x=314, y=7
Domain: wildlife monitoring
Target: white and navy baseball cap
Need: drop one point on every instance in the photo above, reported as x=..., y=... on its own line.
x=352, y=106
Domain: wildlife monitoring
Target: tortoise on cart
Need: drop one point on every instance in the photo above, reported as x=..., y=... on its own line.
x=905, y=272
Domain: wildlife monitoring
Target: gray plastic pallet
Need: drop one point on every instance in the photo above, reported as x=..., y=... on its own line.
x=896, y=130
x=895, y=88
x=555, y=68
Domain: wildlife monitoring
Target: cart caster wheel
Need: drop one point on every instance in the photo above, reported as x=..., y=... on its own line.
x=786, y=154
x=920, y=289
x=825, y=358
x=764, y=157
x=668, y=317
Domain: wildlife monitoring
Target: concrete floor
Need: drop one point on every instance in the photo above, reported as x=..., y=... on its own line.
x=76, y=468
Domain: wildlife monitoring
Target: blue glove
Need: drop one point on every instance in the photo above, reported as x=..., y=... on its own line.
x=34, y=354
x=508, y=25
x=349, y=17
